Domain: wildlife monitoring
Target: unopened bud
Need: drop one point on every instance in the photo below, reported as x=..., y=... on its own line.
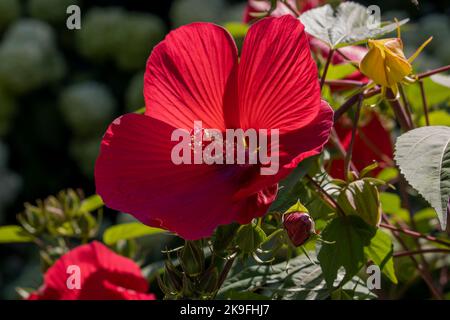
x=192, y=259
x=299, y=227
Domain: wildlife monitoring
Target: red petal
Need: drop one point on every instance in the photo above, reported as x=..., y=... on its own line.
x=187, y=75
x=294, y=147
x=96, y=264
x=256, y=205
x=135, y=174
x=278, y=83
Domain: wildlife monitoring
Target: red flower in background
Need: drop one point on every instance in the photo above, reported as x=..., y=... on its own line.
x=372, y=143
x=195, y=74
x=104, y=275
x=259, y=6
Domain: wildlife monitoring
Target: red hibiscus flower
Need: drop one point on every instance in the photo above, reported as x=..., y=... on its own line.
x=195, y=74
x=259, y=6
x=372, y=143
x=93, y=272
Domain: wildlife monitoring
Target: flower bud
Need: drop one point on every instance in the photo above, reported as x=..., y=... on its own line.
x=192, y=259
x=385, y=62
x=299, y=227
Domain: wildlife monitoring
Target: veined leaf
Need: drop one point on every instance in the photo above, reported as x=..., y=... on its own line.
x=380, y=252
x=423, y=155
x=127, y=231
x=297, y=279
x=13, y=234
x=348, y=25
x=346, y=239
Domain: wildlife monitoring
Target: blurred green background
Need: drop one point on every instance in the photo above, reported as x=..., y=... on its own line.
x=60, y=88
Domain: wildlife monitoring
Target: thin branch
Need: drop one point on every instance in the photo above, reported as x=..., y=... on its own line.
x=425, y=276
x=433, y=72
x=348, y=157
x=424, y=102
x=346, y=106
x=406, y=104
x=291, y=8
x=414, y=252
x=327, y=197
x=415, y=234
x=334, y=138
x=343, y=82
x=399, y=111
x=325, y=70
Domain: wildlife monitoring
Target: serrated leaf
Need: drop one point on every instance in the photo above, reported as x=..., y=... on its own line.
x=345, y=239
x=380, y=252
x=14, y=234
x=423, y=155
x=348, y=25
x=127, y=231
x=297, y=279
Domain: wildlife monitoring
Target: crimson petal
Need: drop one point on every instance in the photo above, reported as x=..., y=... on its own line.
x=188, y=74
x=277, y=80
x=135, y=174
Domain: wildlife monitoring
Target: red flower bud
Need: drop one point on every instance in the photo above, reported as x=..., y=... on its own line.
x=299, y=227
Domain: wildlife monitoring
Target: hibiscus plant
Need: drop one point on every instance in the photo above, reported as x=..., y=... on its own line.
x=358, y=204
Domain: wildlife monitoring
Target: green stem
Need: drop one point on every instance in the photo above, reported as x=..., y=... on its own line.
x=348, y=157
x=415, y=252
x=424, y=102
x=325, y=70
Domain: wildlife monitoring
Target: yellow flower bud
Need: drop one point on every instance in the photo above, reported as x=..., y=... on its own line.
x=385, y=63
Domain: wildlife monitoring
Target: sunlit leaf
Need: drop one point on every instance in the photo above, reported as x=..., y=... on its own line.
x=441, y=79
x=347, y=25
x=423, y=155
x=13, y=234
x=92, y=203
x=346, y=239
x=127, y=231
x=297, y=279
x=380, y=252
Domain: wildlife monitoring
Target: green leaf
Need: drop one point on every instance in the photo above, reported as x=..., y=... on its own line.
x=237, y=29
x=388, y=174
x=423, y=155
x=437, y=118
x=380, y=252
x=361, y=198
x=297, y=279
x=13, y=234
x=345, y=240
x=345, y=26
x=92, y=203
x=127, y=231
x=436, y=94
x=339, y=71
x=249, y=237
x=442, y=79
